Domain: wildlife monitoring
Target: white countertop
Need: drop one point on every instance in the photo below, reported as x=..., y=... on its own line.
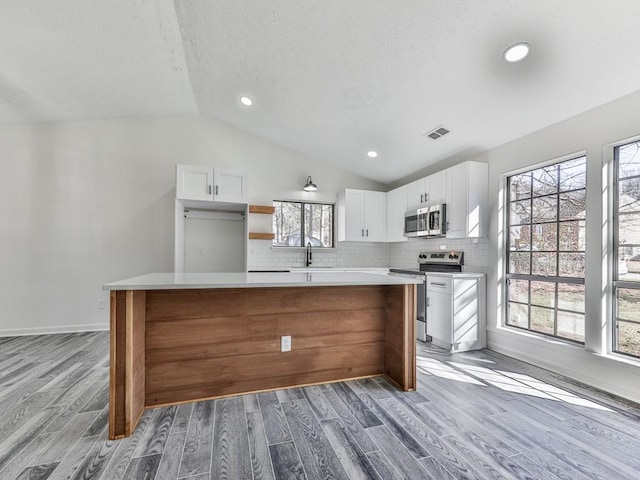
x=173, y=281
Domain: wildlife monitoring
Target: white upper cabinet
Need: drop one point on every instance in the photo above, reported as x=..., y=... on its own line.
x=467, y=188
x=210, y=184
x=427, y=190
x=229, y=186
x=362, y=216
x=194, y=183
x=437, y=187
x=396, y=208
x=417, y=193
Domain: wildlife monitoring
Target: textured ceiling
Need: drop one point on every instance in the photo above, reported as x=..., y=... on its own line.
x=331, y=79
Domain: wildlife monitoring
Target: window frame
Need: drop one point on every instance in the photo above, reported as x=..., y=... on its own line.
x=302, y=225
x=556, y=280
x=616, y=284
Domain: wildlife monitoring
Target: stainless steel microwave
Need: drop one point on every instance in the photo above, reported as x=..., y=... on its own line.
x=426, y=222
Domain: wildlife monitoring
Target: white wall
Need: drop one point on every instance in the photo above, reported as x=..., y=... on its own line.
x=590, y=132
x=86, y=203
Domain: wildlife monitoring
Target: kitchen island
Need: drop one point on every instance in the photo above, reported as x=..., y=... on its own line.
x=186, y=337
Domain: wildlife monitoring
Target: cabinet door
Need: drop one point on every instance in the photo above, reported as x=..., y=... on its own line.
x=354, y=215
x=375, y=220
x=439, y=318
x=230, y=186
x=417, y=193
x=194, y=183
x=437, y=184
x=457, y=193
x=396, y=208
x=466, y=326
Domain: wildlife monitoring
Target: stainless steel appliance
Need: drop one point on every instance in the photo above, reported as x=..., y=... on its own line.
x=437, y=220
x=429, y=262
x=426, y=222
x=416, y=223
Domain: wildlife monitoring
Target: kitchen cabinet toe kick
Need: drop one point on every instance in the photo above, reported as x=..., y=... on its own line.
x=175, y=346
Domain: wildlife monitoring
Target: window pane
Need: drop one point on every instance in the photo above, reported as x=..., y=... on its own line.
x=571, y=265
x=629, y=229
x=629, y=338
x=543, y=294
x=573, y=205
x=545, y=209
x=571, y=297
x=628, y=195
x=287, y=224
x=520, y=186
x=517, y=315
x=629, y=304
x=629, y=160
x=318, y=225
x=520, y=238
x=520, y=212
x=571, y=325
x=572, y=236
x=519, y=263
x=545, y=236
x=573, y=174
x=545, y=180
x=544, y=264
x=542, y=320
x=519, y=291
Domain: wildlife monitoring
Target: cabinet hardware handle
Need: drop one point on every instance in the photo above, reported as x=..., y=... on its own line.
x=216, y=189
x=421, y=195
x=367, y=232
x=439, y=284
x=362, y=234
x=209, y=189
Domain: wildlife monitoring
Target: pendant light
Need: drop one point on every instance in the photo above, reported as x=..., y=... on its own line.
x=310, y=186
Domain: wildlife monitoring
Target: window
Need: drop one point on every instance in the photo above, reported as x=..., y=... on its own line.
x=546, y=249
x=296, y=224
x=626, y=284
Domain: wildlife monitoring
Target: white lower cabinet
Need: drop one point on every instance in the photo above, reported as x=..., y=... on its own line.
x=456, y=311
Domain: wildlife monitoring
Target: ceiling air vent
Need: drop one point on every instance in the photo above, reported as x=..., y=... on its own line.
x=436, y=133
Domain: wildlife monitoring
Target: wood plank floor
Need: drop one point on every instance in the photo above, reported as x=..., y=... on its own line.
x=476, y=415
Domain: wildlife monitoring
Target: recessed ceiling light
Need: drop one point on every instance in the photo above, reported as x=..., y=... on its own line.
x=517, y=52
x=246, y=101
x=372, y=154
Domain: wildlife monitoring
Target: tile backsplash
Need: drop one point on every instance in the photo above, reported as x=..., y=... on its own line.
x=476, y=255
x=361, y=254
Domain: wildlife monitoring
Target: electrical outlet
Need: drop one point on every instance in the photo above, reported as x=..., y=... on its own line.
x=100, y=304
x=443, y=247
x=285, y=343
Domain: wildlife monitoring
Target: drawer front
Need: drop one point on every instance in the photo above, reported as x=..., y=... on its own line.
x=439, y=284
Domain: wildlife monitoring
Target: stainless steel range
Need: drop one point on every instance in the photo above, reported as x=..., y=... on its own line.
x=429, y=262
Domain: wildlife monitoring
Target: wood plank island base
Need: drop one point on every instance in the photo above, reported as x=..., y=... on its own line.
x=179, y=338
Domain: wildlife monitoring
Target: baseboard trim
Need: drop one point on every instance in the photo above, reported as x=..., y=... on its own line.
x=570, y=360
x=87, y=327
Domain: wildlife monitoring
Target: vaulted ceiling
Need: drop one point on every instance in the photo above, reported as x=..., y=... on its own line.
x=331, y=79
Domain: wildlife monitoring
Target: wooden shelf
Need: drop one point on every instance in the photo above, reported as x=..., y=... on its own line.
x=266, y=209
x=261, y=236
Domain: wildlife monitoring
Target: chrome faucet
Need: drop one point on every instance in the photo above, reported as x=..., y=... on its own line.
x=308, y=261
